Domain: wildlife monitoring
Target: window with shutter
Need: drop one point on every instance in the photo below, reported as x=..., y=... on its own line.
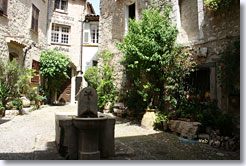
x=3, y=7
x=35, y=16
x=35, y=66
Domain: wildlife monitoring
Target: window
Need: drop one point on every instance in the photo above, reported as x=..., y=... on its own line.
x=60, y=34
x=35, y=15
x=130, y=13
x=61, y=5
x=35, y=66
x=3, y=7
x=94, y=34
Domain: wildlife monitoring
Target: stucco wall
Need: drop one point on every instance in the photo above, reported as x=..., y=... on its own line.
x=16, y=27
x=75, y=14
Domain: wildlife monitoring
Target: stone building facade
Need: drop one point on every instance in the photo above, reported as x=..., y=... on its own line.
x=65, y=34
x=205, y=32
x=23, y=26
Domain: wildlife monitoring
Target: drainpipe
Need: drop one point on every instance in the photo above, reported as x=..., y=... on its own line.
x=81, y=49
x=47, y=23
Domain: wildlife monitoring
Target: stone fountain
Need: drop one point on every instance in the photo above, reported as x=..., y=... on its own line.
x=88, y=135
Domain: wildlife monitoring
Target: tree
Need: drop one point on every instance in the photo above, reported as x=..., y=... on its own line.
x=156, y=67
x=54, y=68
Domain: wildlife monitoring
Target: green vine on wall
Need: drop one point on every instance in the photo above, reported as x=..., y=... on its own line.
x=229, y=69
x=215, y=5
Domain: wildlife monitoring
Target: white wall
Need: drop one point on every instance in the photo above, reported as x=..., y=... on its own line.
x=89, y=54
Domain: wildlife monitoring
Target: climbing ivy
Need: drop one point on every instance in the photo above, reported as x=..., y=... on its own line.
x=215, y=5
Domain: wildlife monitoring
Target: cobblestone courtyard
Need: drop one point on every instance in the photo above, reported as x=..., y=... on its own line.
x=32, y=136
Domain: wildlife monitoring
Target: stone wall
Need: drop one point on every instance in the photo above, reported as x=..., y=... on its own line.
x=205, y=32
x=112, y=29
x=15, y=30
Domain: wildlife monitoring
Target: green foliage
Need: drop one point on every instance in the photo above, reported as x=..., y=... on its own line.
x=215, y=5
x=54, y=68
x=155, y=66
x=18, y=104
x=161, y=117
x=229, y=70
x=14, y=81
x=91, y=77
x=106, y=88
x=4, y=91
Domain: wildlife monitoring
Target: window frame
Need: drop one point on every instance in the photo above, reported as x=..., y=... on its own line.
x=59, y=9
x=96, y=40
x=4, y=8
x=35, y=18
x=60, y=33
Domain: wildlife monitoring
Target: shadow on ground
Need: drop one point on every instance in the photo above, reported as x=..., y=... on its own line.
x=166, y=146
x=2, y=121
x=48, y=154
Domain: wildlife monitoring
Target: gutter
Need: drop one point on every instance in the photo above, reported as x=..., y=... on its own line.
x=47, y=23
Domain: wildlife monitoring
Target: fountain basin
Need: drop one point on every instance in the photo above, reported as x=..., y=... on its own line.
x=89, y=131
x=89, y=123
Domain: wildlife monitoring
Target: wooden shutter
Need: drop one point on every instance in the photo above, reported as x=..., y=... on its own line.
x=35, y=16
x=3, y=7
x=36, y=20
x=35, y=66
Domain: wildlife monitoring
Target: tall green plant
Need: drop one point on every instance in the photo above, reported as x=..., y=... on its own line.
x=91, y=77
x=54, y=68
x=13, y=82
x=106, y=89
x=155, y=66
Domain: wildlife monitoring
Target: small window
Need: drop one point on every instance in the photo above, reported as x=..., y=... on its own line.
x=35, y=66
x=94, y=34
x=60, y=34
x=3, y=7
x=61, y=5
x=132, y=13
x=35, y=15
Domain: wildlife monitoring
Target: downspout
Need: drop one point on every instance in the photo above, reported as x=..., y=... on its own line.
x=47, y=24
x=81, y=48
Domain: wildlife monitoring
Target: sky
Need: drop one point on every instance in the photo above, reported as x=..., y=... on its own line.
x=95, y=4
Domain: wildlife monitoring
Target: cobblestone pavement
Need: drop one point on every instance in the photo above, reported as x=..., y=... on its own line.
x=32, y=136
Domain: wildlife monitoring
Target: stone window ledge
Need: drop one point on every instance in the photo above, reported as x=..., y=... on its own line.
x=61, y=44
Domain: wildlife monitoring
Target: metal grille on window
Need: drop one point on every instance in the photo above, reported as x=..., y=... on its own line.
x=55, y=34
x=97, y=34
x=93, y=34
x=65, y=35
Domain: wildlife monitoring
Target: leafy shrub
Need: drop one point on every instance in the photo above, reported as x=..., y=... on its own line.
x=154, y=65
x=54, y=68
x=229, y=70
x=106, y=88
x=91, y=77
